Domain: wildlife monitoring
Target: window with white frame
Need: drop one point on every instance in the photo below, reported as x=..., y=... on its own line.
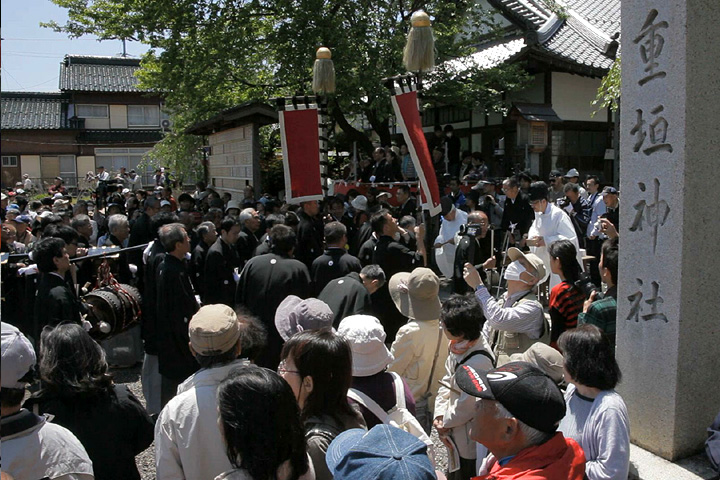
x=9, y=161
x=92, y=111
x=143, y=115
x=130, y=158
x=68, y=169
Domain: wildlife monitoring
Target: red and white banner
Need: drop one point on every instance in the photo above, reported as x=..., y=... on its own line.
x=300, y=137
x=407, y=111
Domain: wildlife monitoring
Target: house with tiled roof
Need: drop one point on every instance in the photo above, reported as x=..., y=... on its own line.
x=566, y=46
x=99, y=117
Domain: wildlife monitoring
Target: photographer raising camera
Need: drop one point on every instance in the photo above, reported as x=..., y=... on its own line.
x=473, y=245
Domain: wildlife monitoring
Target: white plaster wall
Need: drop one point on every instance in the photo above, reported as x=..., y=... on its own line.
x=572, y=97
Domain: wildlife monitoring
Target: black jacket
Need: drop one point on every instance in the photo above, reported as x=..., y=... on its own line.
x=309, y=239
x=519, y=212
x=197, y=268
x=393, y=258
x=265, y=282
x=408, y=208
x=175, y=307
x=475, y=251
x=220, y=264
x=346, y=296
x=148, y=327
x=334, y=263
x=55, y=302
x=246, y=244
x=113, y=427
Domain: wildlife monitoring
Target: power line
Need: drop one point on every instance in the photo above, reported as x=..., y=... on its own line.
x=5, y=70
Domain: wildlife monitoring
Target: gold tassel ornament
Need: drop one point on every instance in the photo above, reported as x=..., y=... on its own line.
x=419, y=53
x=323, y=72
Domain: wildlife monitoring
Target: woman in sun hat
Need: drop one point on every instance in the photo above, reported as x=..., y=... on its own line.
x=419, y=349
x=370, y=361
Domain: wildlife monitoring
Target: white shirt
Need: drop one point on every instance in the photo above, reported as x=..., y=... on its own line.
x=188, y=442
x=45, y=450
x=445, y=255
x=552, y=225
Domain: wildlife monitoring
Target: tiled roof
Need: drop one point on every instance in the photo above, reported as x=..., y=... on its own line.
x=488, y=56
x=99, y=74
x=33, y=111
x=526, y=12
x=582, y=35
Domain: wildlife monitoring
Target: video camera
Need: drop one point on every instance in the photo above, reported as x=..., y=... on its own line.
x=562, y=202
x=471, y=229
x=586, y=286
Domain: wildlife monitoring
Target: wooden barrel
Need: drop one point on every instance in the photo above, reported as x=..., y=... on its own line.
x=112, y=312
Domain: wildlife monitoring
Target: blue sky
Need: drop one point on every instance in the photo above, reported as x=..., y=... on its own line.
x=31, y=55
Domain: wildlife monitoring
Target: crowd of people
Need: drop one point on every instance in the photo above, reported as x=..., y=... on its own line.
x=310, y=341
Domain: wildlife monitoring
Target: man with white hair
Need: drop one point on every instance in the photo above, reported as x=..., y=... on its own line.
x=248, y=240
x=452, y=219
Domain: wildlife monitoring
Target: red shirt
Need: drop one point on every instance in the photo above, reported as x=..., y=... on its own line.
x=566, y=302
x=558, y=458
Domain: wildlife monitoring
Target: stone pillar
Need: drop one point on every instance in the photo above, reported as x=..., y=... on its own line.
x=668, y=332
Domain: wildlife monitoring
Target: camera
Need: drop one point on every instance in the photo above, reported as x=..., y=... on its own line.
x=471, y=229
x=562, y=202
x=586, y=286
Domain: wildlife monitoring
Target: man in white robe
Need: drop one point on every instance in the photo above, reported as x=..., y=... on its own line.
x=550, y=224
x=452, y=219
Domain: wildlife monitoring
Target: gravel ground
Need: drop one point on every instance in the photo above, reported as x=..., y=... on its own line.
x=131, y=377
x=146, y=460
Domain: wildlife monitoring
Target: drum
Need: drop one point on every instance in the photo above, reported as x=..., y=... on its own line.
x=112, y=310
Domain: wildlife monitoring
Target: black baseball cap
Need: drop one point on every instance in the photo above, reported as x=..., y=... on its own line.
x=524, y=390
x=538, y=191
x=609, y=190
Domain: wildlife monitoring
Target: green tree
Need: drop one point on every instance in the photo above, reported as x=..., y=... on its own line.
x=207, y=55
x=608, y=95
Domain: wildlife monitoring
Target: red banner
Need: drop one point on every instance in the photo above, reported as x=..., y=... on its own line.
x=299, y=136
x=408, y=117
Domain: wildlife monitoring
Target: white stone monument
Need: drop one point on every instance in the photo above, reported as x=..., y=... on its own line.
x=668, y=332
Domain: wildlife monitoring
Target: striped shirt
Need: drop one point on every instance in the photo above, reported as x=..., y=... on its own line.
x=566, y=302
x=510, y=316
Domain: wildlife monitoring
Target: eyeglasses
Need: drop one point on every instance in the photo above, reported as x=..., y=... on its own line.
x=282, y=370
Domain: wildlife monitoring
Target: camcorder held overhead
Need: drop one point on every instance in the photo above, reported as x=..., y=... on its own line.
x=471, y=229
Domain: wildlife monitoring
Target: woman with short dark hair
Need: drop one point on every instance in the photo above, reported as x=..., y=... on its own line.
x=462, y=320
x=77, y=389
x=261, y=426
x=596, y=415
x=566, y=300
x=318, y=366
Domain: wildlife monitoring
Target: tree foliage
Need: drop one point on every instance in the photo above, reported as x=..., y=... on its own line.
x=608, y=95
x=207, y=55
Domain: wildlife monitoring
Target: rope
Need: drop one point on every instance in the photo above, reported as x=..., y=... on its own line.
x=107, y=279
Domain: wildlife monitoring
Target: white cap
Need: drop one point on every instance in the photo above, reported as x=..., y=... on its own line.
x=572, y=173
x=18, y=357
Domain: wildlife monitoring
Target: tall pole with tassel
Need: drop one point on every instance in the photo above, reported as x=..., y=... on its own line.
x=419, y=57
x=323, y=84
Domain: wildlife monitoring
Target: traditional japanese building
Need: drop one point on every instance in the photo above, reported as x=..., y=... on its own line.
x=100, y=117
x=566, y=47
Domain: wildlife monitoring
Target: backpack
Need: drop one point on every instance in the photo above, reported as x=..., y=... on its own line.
x=473, y=354
x=398, y=416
